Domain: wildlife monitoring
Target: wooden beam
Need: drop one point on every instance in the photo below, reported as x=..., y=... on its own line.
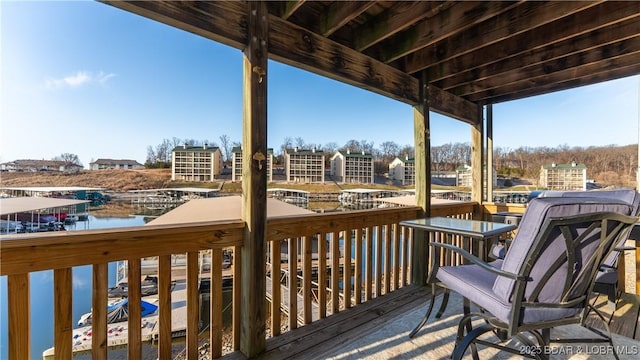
x=476, y=159
x=340, y=13
x=296, y=46
x=530, y=48
x=530, y=15
x=225, y=22
x=450, y=20
x=221, y=21
x=422, y=156
x=489, y=153
x=254, y=180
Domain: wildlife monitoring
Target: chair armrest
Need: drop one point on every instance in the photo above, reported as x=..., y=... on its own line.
x=474, y=259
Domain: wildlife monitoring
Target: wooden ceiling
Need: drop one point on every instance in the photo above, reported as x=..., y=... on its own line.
x=469, y=53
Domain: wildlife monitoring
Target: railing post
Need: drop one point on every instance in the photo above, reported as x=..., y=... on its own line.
x=254, y=180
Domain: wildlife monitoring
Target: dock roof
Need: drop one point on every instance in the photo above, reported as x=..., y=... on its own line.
x=223, y=208
x=10, y=206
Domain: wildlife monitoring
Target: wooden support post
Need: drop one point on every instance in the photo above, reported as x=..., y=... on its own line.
x=476, y=161
x=99, y=311
x=62, y=304
x=19, y=323
x=254, y=181
x=422, y=139
x=489, y=152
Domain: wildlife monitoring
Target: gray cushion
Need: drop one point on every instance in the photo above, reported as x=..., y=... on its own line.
x=475, y=283
x=538, y=211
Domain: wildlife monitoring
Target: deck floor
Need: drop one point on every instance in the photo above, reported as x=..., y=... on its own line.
x=379, y=330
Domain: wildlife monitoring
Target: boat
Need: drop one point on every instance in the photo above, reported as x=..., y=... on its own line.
x=119, y=312
x=148, y=286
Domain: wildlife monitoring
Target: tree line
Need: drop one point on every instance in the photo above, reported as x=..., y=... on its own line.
x=612, y=164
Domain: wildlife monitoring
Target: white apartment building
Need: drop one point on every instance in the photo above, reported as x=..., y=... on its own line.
x=403, y=170
x=112, y=164
x=464, y=179
x=236, y=164
x=564, y=176
x=196, y=163
x=304, y=166
x=352, y=167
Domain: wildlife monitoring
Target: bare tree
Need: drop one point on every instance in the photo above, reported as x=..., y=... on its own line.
x=225, y=143
x=69, y=159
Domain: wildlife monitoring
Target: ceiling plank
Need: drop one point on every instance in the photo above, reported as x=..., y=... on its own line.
x=397, y=18
x=534, y=55
x=340, y=13
x=288, y=8
x=579, y=62
x=590, y=73
x=450, y=20
x=529, y=15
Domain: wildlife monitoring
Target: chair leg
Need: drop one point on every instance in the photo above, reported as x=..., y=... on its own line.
x=468, y=340
x=429, y=309
x=443, y=304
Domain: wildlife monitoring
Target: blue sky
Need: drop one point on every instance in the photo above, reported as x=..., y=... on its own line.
x=92, y=80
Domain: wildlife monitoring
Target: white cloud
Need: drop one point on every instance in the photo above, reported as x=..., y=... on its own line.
x=78, y=79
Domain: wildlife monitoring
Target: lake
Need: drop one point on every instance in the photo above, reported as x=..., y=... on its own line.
x=41, y=291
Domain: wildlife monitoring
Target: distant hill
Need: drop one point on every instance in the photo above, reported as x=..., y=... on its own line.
x=116, y=180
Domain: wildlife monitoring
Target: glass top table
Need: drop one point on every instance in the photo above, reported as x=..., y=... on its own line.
x=472, y=228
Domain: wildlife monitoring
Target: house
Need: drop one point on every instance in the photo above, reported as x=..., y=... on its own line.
x=236, y=164
x=28, y=165
x=352, y=167
x=403, y=170
x=196, y=163
x=304, y=165
x=564, y=176
x=112, y=164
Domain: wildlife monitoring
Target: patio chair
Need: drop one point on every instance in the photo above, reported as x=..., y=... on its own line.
x=545, y=278
x=606, y=282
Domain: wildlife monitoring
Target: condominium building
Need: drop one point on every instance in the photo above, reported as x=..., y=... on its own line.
x=29, y=165
x=236, y=164
x=111, y=164
x=564, y=176
x=464, y=178
x=403, y=170
x=304, y=165
x=352, y=167
x=196, y=163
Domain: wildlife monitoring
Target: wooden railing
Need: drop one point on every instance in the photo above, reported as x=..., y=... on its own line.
x=359, y=255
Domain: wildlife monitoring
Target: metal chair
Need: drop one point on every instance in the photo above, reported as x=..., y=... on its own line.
x=545, y=278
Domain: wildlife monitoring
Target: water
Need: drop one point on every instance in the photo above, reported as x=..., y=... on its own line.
x=41, y=291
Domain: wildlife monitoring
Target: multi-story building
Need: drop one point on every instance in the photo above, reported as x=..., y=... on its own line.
x=403, y=170
x=111, y=164
x=304, y=165
x=236, y=164
x=464, y=179
x=564, y=176
x=29, y=165
x=196, y=163
x=352, y=167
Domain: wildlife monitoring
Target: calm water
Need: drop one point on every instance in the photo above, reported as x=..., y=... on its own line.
x=41, y=287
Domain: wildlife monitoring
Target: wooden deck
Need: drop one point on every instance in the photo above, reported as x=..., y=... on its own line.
x=379, y=330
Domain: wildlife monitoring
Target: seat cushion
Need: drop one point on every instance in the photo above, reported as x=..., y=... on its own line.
x=476, y=284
